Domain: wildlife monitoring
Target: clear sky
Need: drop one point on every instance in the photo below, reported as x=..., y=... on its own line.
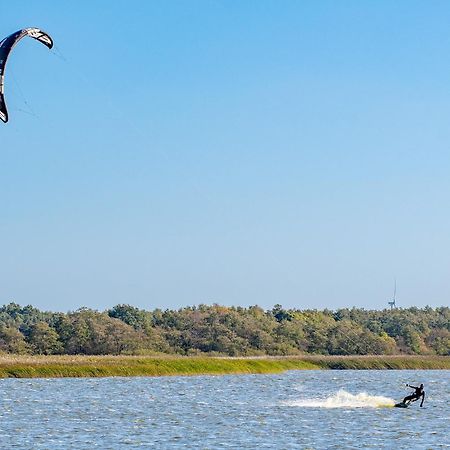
x=173, y=153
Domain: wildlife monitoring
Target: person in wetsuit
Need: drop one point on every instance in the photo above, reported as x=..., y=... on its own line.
x=419, y=393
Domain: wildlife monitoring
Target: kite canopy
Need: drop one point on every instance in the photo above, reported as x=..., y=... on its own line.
x=6, y=45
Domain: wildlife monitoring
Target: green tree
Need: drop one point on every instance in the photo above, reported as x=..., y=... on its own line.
x=13, y=341
x=137, y=318
x=44, y=340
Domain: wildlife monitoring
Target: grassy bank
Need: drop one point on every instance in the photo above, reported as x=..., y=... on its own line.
x=381, y=362
x=104, y=366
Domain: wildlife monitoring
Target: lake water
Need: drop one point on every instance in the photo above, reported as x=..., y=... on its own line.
x=294, y=410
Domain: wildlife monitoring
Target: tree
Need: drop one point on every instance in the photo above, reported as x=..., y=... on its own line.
x=439, y=341
x=96, y=333
x=136, y=318
x=44, y=340
x=281, y=314
x=13, y=341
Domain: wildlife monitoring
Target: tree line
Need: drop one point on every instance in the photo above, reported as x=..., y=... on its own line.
x=221, y=330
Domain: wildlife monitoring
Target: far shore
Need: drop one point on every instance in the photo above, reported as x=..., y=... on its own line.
x=57, y=366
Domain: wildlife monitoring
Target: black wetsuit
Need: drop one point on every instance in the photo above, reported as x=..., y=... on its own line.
x=419, y=392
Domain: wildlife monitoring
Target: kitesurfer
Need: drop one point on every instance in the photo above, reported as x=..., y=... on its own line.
x=419, y=393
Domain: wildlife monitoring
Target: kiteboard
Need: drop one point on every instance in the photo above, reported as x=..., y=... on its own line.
x=401, y=405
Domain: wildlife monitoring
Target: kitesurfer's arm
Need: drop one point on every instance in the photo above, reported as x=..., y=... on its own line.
x=412, y=387
x=423, y=399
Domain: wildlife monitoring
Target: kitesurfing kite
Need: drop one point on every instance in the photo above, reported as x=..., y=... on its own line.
x=6, y=45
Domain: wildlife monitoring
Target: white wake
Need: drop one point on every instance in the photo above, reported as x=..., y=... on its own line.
x=343, y=399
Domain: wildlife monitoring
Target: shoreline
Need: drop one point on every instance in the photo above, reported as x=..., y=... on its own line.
x=60, y=366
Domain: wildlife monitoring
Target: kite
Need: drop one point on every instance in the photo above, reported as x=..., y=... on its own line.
x=6, y=45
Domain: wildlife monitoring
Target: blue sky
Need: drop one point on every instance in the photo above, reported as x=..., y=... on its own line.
x=173, y=153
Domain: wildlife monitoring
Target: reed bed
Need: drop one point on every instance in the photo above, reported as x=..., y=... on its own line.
x=103, y=366
x=380, y=362
x=14, y=366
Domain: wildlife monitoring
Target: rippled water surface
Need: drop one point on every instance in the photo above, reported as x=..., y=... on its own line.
x=294, y=410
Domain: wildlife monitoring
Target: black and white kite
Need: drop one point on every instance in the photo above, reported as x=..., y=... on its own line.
x=6, y=45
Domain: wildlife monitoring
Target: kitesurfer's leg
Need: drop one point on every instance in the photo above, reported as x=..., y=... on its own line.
x=408, y=398
x=423, y=398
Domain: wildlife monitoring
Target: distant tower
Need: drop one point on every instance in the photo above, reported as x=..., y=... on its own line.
x=392, y=302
